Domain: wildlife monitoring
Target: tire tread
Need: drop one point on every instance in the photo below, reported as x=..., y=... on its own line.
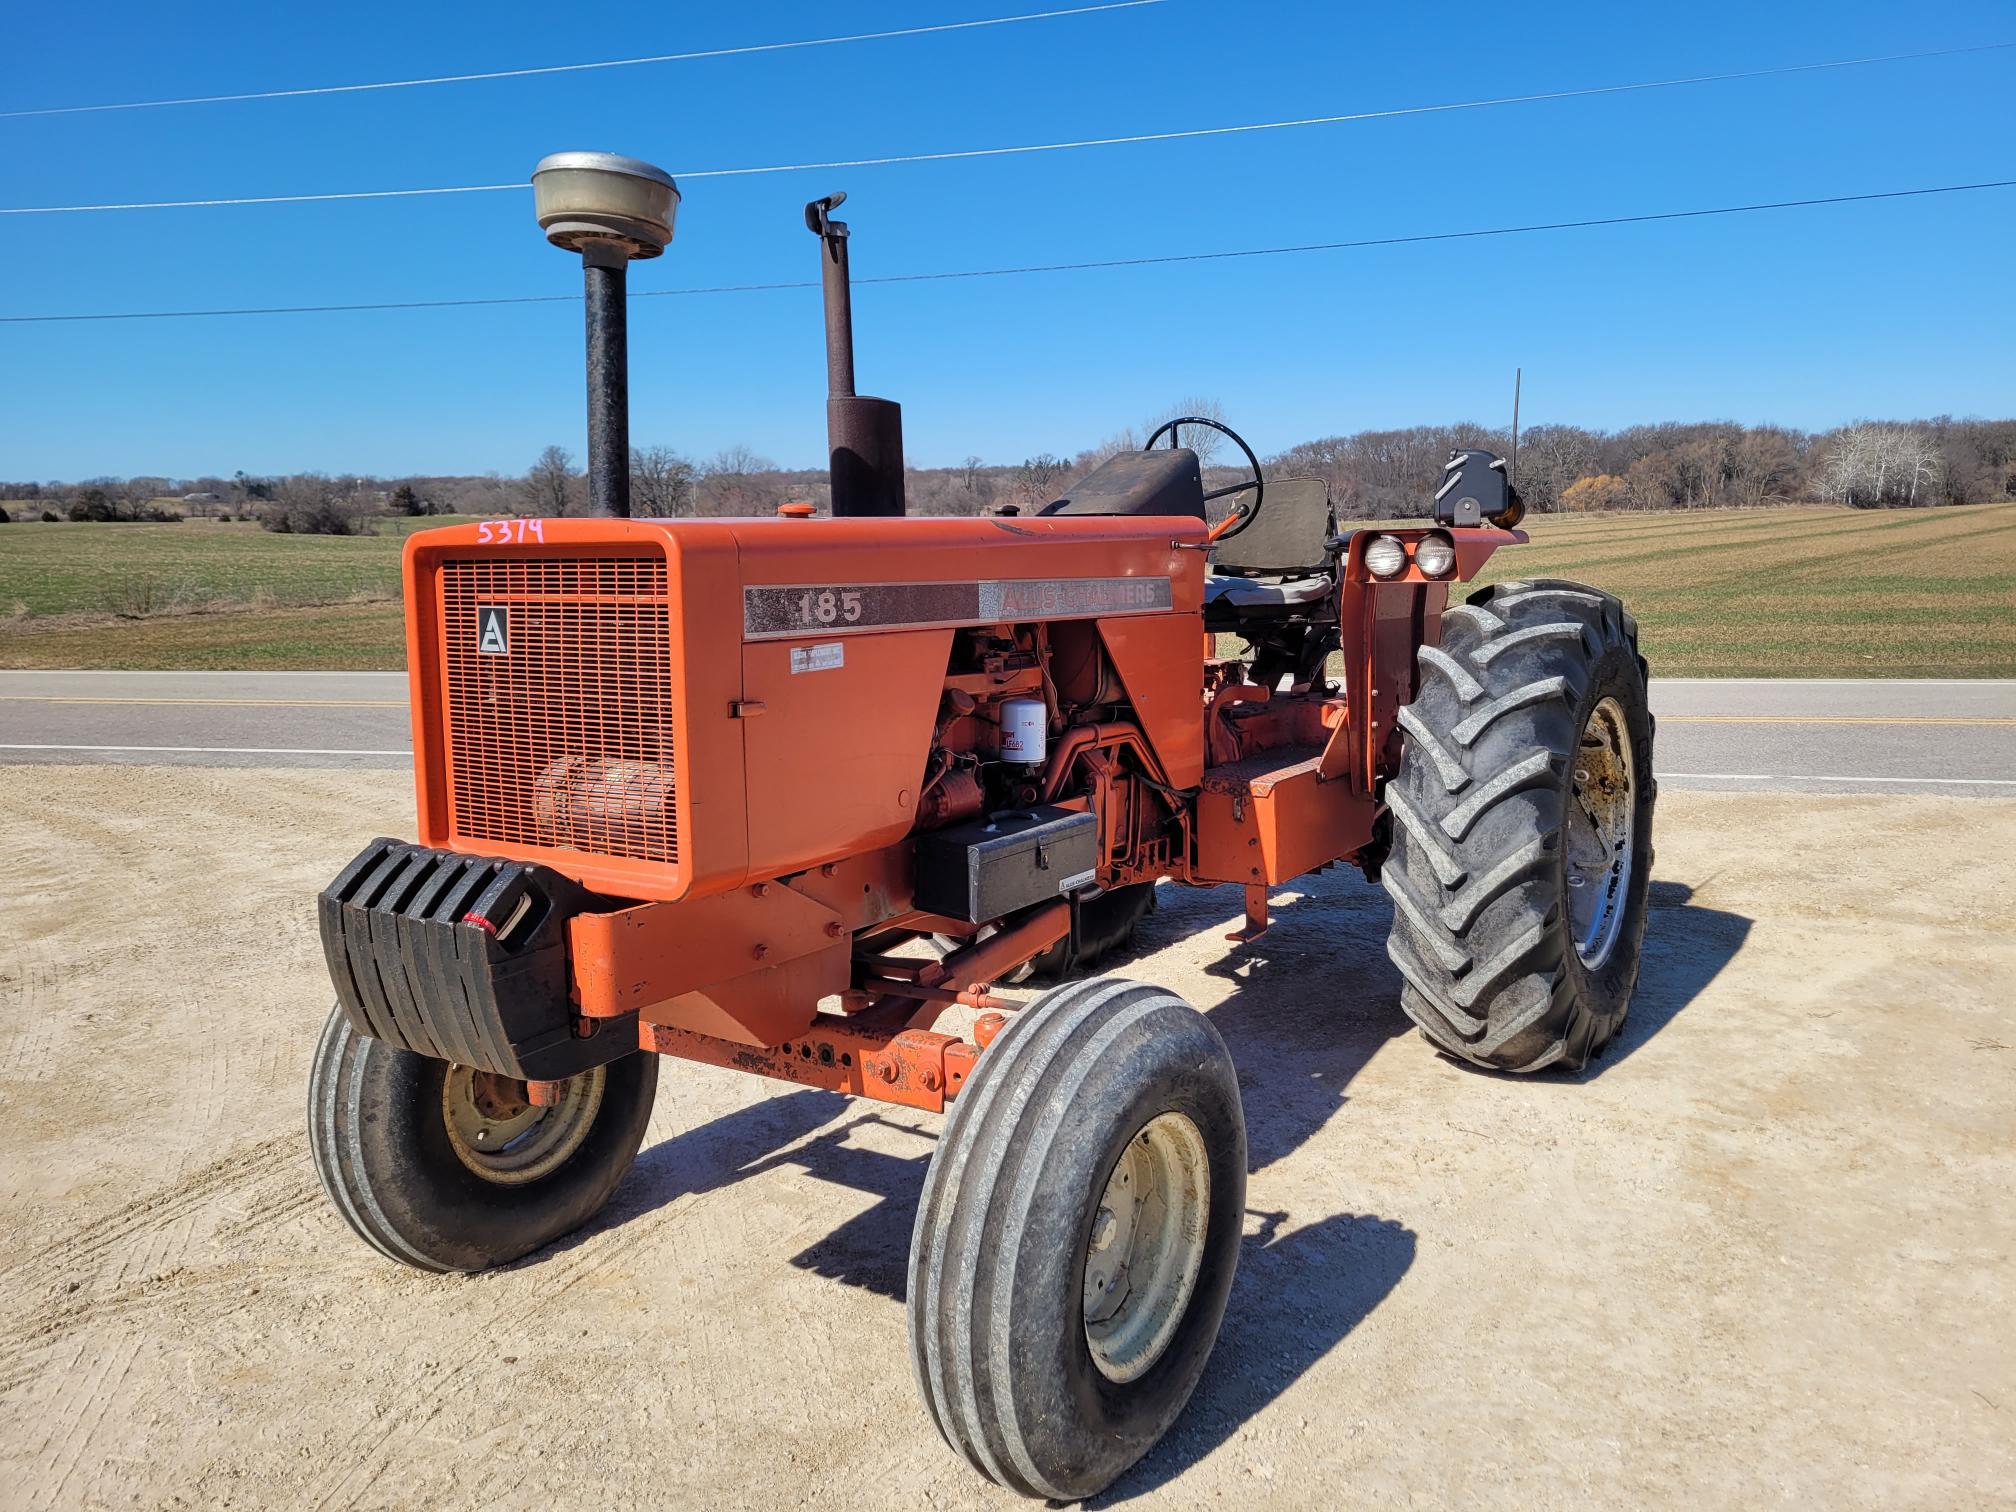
x=971, y=1229
x=1479, y=939
x=346, y=1071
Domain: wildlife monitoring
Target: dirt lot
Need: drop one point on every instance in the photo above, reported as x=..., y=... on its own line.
x=1761, y=1254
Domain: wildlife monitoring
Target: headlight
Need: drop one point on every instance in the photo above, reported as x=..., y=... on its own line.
x=1435, y=555
x=1385, y=557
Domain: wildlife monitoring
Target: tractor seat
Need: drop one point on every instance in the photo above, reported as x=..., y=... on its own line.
x=1259, y=595
x=1281, y=563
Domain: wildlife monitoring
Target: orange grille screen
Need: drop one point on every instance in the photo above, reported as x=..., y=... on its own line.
x=557, y=678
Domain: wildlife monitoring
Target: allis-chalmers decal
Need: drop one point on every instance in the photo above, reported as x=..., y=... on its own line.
x=774, y=613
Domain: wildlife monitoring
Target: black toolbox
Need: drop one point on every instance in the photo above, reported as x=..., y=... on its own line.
x=992, y=867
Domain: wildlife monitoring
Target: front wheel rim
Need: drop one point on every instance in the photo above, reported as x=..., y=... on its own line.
x=1146, y=1246
x=1602, y=834
x=501, y=1136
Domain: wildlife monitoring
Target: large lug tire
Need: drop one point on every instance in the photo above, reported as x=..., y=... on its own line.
x=1077, y=1236
x=1523, y=828
x=447, y=1169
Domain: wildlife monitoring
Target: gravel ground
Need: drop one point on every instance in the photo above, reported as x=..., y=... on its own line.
x=1760, y=1253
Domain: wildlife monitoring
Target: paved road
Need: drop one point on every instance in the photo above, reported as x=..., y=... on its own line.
x=1955, y=737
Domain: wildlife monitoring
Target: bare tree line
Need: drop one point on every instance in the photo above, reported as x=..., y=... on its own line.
x=1713, y=465
x=1372, y=475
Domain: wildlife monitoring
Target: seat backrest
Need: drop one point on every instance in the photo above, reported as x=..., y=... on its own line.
x=1289, y=538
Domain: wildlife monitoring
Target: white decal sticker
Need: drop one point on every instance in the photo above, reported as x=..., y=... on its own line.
x=1072, y=884
x=818, y=658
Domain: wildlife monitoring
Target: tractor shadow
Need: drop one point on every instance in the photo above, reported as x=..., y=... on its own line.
x=1304, y=1009
x=1296, y=1297
x=1686, y=948
x=1315, y=998
x=871, y=1250
x=793, y=1131
x=706, y=1158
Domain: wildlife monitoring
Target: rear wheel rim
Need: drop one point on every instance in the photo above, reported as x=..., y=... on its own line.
x=1602, y=834
x=1146, y=1246
x=497, y=1132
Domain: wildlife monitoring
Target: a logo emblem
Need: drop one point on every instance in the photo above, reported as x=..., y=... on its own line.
x=493, y=630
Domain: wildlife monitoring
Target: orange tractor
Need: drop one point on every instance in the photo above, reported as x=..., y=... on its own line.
x=798, y=796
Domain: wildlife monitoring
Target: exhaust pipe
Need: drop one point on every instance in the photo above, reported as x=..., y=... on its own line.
x=864, y=436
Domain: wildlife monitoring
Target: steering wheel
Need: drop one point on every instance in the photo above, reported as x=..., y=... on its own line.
x=1244, y=514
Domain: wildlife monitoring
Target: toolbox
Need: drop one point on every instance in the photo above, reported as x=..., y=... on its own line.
x=1007, y=861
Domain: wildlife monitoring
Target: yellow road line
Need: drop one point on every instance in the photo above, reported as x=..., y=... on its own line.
x=264, y=703
x=1829, y=719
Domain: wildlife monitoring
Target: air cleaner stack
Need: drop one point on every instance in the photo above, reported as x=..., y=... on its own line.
x=610, y=209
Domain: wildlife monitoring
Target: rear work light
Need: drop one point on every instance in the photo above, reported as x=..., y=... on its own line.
x=1435, y=555
x=1385, y=557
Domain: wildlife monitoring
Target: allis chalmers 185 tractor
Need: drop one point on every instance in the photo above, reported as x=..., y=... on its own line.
x=779, y=794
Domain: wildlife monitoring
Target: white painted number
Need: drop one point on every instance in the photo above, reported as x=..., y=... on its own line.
x=509, y=532
x=825, y=606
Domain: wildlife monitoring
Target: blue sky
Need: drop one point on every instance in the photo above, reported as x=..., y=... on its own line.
x=1807, y=318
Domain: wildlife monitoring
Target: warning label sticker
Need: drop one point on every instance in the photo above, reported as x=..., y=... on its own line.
x=818, y=658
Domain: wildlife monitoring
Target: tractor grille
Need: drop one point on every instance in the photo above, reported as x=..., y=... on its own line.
x=559, y=710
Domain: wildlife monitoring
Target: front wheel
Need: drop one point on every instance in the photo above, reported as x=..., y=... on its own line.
x=1523, y=824
x=1077, y=1236
x=450, y=1169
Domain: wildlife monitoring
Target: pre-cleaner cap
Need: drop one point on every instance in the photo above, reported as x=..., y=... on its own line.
x=589, y=197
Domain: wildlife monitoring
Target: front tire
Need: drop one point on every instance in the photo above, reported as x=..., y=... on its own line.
x=1077, y=1237
x=448, y=1169
x=1523, y=828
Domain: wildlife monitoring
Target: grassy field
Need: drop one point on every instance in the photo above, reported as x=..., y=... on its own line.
x=1794, y=592
x=201, y=594
x=146, y=569
x=1799, y=592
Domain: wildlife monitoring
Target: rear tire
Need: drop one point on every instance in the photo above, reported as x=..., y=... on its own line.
x=439, y=1169
x=1523, y=828
x=1059, y=1322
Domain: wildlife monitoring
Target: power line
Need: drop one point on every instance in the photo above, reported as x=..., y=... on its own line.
x=1070, y=267
x=1113, y=141
x=1362, y=115
x=559, y=68
x=266, y=199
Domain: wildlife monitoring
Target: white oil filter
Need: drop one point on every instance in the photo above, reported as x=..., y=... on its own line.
x=1025, y=722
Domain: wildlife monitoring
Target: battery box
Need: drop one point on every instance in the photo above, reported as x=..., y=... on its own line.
x=995, y=866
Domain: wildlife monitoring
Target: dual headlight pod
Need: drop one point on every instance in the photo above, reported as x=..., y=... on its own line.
x=1435, y=554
